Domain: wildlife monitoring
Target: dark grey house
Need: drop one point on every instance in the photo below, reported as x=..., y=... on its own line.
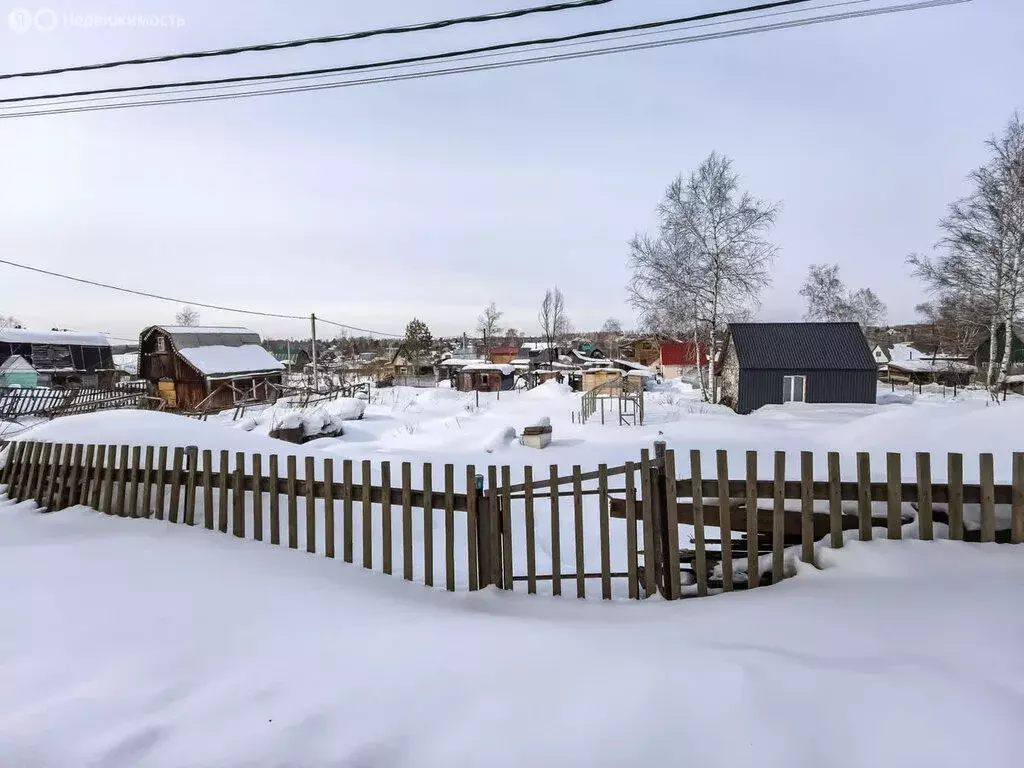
x=765, y=363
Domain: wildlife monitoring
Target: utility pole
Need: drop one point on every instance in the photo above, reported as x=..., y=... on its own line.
x=312, y=354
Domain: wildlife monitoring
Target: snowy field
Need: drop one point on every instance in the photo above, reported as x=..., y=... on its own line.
x=140, y=643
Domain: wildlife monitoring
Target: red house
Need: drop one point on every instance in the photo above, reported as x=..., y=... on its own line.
x=678, y=357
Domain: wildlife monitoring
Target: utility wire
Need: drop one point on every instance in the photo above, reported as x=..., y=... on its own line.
x=43, y=110
x=476, y=57
x=149, y=295
x=424, y=26
x=418, y=59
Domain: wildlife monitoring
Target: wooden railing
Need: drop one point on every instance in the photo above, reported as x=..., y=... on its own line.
x=629, y=395
x=50, y=403
x=490, y=526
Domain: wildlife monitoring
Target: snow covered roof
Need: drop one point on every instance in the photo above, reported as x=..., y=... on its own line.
x=537, y=346
x=127, y=362
x=642, y=374
x=74, y=338
x=183, y=337
x=219, y=359
x=630, y=365
x=506, y=370
x=15, y=364
x=458, y=362
x=928, y=366
x=203, y=329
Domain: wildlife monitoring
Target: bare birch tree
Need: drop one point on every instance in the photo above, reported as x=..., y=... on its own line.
x=187, y=316
x=982, y=245
x=828, y=299
x=709, y=260
x=487, y=325
x=554, y=323
x=609, y=335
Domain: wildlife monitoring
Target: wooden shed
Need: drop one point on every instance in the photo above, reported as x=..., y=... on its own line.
x=61, y=358
x=16, y=372
x=486, y=377
x=207, y=368
x=595, y=377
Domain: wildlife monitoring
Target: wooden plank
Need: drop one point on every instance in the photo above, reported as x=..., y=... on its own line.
x=894, y=499
x=605, y=529
x=54, y=478
x=506, y=528
x=146, y=493
x=753, y=569
x=779, y=518
x=493, y=542
x=89, y=481
x=68, y=475
x=428, y=524
x=577, y=487
x=406, y=521
x=161, y=474
x=222, y=492
x=207, y=482
x=12, y=470
x=257, y=496
x=700, y=564
x=133, y=481
x=472, y=529
x=176, y=469
x=367, y=485
x=449, y=527
x=924, y=496
x=329, y=534
x=275, y=499
x=722, y=476
x=238, y=497
x=556, y=534
x=647, y=516
x=672, y=521
x=988, y=502
x=387, y=544
x=1017, y=505
x=531, y=540
x=310, y=477
x=192, y=463
x=346, y=510
x=864, y=495
x=42, y=473
x=71, y=497
x=293, y=503
x=807, y=507
x=32, y=453
x=835, y=504
x=631, y=544
x=106, y=500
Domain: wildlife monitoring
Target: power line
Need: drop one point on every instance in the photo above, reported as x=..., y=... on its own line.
x=418, y=59
x=149, y=295
x=424, y=26
x=501, y=65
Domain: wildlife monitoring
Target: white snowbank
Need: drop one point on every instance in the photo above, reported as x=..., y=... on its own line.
x=326, y=418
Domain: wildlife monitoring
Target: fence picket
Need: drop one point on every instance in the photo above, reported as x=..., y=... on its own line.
x=293, y=503
x=449, y=527
x=650, y=558
x=924, y=496
x=577, y=503
x=506, y=528
x=192, y=463
x=106, y=501
x=633, y=586
x=25, y=470
x=385, y=518
x=329, y=534
x=779, y=517
x=42, y=473
x=367, y=485
x=835, y=503
x=894, y=496
x=72, y=495
x=700, y=568
x=988, y=502
x=13, y=450
x=61, y=490
x=671, y=513
x=161, y=471
x=556, y=533
x=955, y=482
x=238, y=497
x=97, y=474
x=493, y=528
x=257, y=496
x=222, y=492
x=121, y=483
x=406, y=521
x=531, y=542
x=472, y=540
x=275, y=500
x=606, y=547
x=346, y=510
x=176, y=470
x=864, y=496
x=1017, y=504
x=428, y=524
x=724, y=517
x=807, y=506
x=310, y=476
x=53, y=473
x=753, y=571
x=133, y=481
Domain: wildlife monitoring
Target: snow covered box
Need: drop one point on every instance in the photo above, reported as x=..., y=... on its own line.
x=207, y=368
x=538, y=435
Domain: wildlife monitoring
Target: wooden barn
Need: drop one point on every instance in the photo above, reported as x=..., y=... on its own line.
x=485, y=377
x=61, y=358
x=207, y=368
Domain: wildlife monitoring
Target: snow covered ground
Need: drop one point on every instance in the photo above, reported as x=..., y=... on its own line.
x=139, y=643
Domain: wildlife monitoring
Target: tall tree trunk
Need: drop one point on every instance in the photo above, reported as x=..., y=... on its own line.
x=1011, y=315
x=700, y=368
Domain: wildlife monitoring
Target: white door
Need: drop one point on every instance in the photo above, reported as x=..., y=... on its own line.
x=794, y=389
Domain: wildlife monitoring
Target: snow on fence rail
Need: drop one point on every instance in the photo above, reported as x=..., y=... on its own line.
x=490, y=527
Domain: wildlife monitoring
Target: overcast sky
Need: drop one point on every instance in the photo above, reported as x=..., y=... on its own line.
x=433, y=197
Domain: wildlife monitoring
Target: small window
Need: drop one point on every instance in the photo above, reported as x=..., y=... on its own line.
x=161, y=344
x=794, y=389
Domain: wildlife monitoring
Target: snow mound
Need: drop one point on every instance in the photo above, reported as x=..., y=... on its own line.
x=550, y=390
x=325, y=419
x=500, y=438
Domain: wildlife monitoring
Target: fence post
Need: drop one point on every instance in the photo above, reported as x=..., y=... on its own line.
x=484, y=534
x=659, y=508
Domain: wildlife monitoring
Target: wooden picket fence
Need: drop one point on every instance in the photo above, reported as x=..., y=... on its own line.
x=16, y=402
x=492, y=515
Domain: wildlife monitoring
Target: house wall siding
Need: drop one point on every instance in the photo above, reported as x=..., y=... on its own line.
x=761, y=387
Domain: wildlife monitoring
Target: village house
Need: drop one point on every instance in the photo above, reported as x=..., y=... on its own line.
x=775, y=363
x=61, y=358
x=16, y=372
x=679, y=358
x=905, y=362
x=207, y=368
x=294, y=358
x=645, y=351
x=485, y=377
x=987, y=350
x=503, y=355
x=539, y=353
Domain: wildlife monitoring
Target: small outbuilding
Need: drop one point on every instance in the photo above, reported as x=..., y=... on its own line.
x=16, y=372
x=61, y=358
x=207, y=368
x=775, y=363
x=486, y=377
